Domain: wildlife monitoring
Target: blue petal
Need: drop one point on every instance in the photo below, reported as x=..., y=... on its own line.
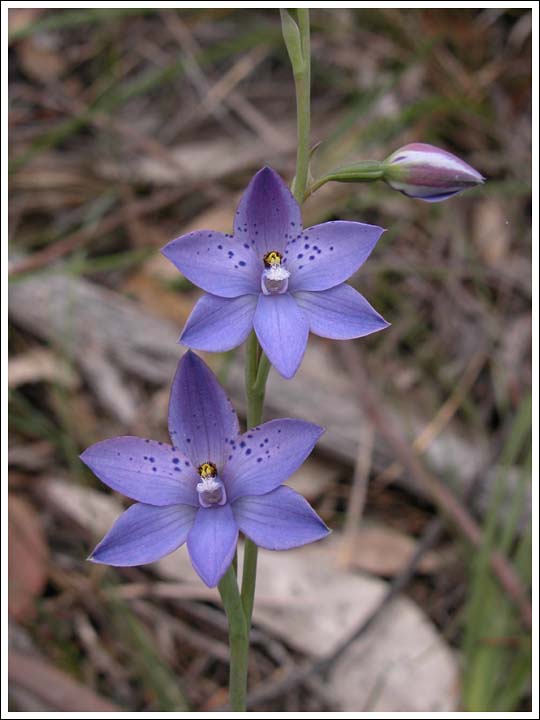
x=216, y=263
x=144, y=470
x=143, y=534
x=268, y=215
x=340, y=313
x=434, y=196
x=280, y=520
x=212, y=542
x=264, y=457
x=282, y=329
x=328, y=254
x=202, y=419
x=219, y=324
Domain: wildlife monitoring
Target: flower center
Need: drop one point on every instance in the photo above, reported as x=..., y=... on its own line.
x=274, y=278
x=211, y=490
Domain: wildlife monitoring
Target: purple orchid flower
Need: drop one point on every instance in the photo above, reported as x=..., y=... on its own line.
x=211, y=483
x=426, y=172
x=275, y=277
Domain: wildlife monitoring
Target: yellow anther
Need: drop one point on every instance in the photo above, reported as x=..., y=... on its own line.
x=272, y=258
x=207, y=470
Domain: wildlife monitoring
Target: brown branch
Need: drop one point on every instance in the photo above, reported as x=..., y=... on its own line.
x=448, y=504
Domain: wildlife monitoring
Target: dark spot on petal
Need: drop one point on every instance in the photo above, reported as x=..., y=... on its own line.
x=248, y=451
x=242, y=263
x=300, y=256
x=176, y=460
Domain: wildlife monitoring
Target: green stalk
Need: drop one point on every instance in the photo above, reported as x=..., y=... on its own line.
x=238, y=640
x=257, y=369
x=239, y=605
x=364, y=171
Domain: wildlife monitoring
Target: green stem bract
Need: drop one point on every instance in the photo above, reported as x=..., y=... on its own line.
x=297, y=40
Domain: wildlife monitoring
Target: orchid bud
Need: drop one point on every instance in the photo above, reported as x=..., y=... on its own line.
x=428, y=173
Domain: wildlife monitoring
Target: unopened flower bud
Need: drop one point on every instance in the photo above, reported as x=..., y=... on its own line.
x=428, y=173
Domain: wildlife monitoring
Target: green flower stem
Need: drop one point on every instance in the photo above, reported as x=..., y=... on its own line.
x=257, y=369
x=365, y=171
x=238, y=640
x=239, y=605
x=249, y=577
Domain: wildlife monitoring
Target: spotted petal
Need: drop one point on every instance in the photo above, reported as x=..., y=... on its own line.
x=144, y=470
x=219, y=324
x=212, y=542
x=340, y=313
x=201, y=417
x=282, y=329
x=215, y=262
x=268, y=215
x=143, y=534
x=264, y=457
x=328, y=254
x=280, y=520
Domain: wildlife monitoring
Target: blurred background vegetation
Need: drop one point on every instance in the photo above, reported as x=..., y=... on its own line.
x=129, y=127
